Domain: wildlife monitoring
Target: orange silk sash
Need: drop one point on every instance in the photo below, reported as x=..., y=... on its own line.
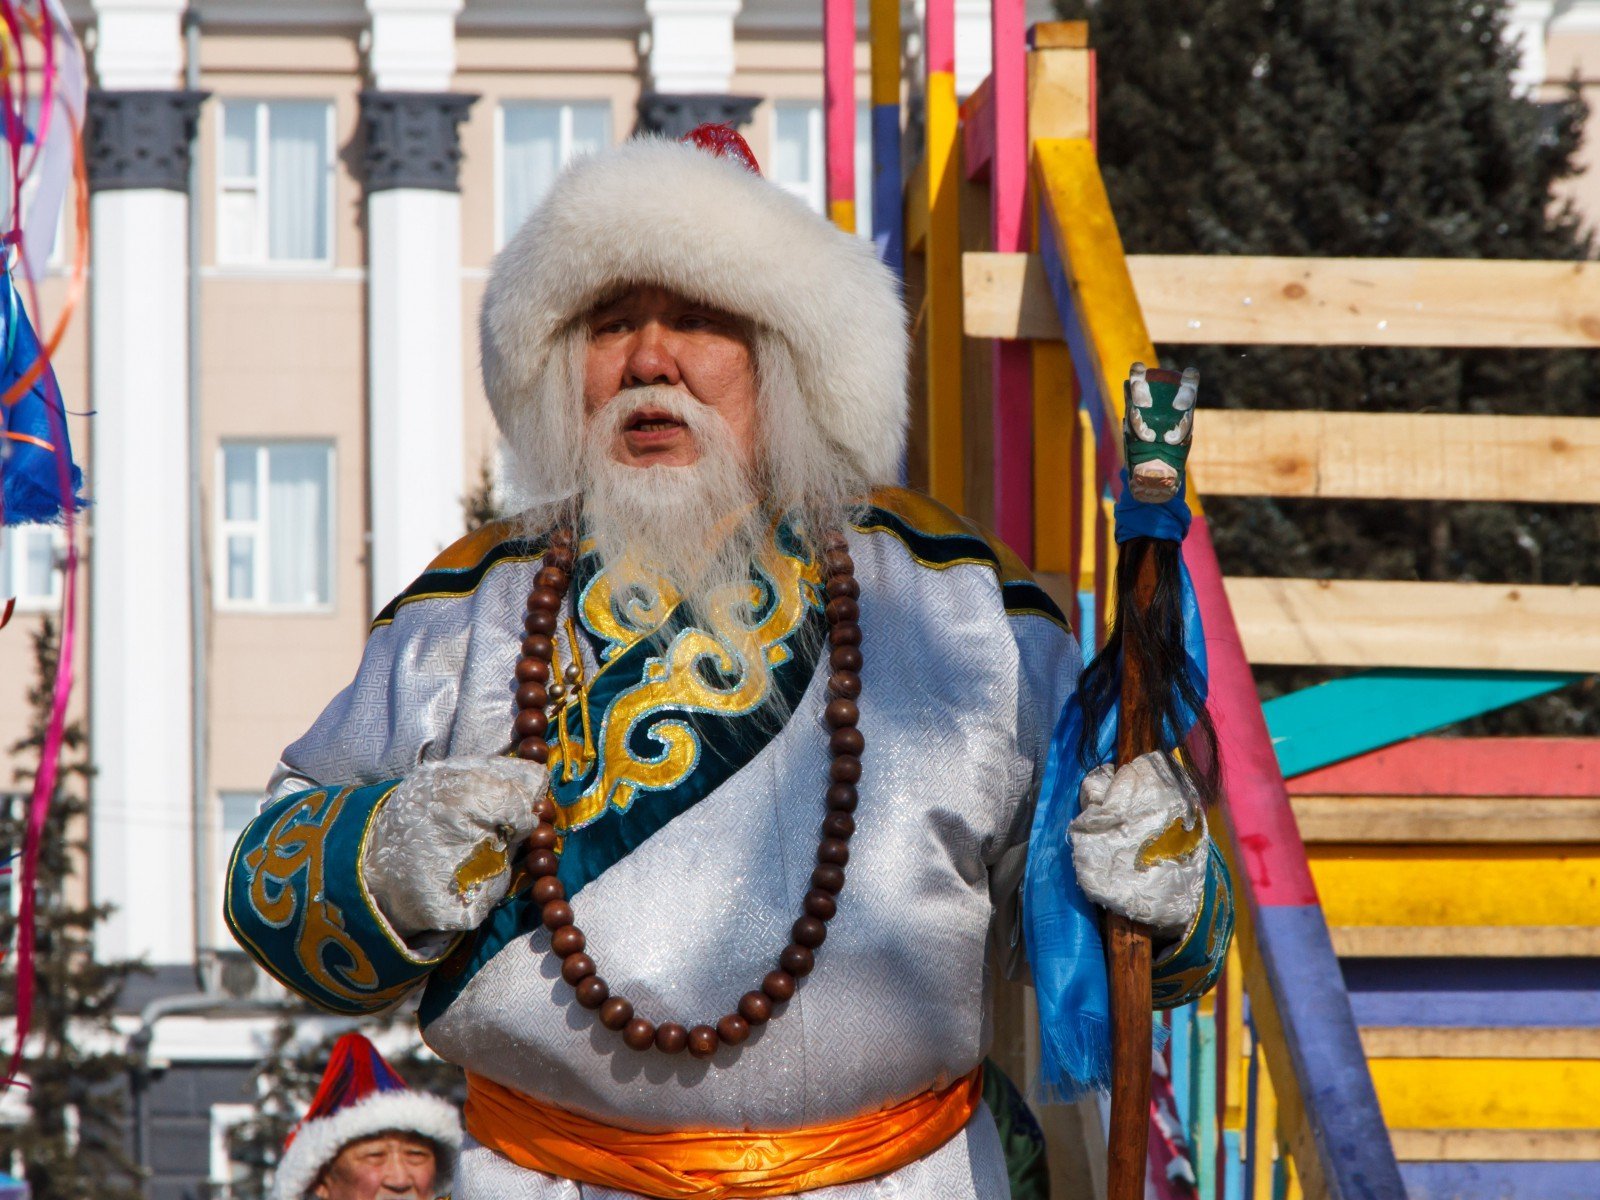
x=715, y=1165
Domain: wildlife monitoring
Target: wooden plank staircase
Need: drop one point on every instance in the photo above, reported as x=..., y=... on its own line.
x=1461, y=881
x=1412, y=1004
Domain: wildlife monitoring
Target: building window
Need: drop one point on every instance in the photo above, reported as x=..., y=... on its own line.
x=275, y=185
x=30, y=565
x=798, y=157
x=275, y=526
x=537, y=139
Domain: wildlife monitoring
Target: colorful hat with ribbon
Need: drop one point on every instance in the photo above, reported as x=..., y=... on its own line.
x=361, y=1096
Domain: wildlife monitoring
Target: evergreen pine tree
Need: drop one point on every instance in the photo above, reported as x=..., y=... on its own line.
x=73, y=1144
x=1380, y=128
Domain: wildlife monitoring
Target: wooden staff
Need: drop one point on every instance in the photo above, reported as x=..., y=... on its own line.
x=1149, y=633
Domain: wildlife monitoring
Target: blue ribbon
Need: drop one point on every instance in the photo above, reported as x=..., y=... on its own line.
x=30, y=479
x=1060, y=926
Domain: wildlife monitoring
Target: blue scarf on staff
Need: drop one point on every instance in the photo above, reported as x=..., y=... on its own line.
x=1060, y=926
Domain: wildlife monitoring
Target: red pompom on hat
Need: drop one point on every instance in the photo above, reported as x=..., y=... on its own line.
x=361, y=1096
x=723, y=141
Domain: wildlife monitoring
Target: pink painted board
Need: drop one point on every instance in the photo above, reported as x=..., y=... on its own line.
x=1266, y=837
x=1433, y=766
x=839, y=97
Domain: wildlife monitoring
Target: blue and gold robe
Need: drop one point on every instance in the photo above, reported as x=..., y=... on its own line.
x=690, y=821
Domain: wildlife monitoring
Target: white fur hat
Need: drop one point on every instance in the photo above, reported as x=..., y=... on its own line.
x=361, y=1096
x=672, y=215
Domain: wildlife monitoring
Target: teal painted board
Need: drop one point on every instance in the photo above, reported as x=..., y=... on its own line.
x=1203, y=1104
x=1346, y=717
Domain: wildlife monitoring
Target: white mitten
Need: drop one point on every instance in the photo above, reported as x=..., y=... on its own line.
x=438, y=856
x=1139, y=843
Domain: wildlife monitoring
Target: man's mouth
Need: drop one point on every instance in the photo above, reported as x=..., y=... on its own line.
x=648, y=422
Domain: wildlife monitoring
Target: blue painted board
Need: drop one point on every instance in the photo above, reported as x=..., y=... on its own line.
x=1345, y=717
x=1341, y=1107
x=888, y=224
x=1501, y=1180
x=1475, y=992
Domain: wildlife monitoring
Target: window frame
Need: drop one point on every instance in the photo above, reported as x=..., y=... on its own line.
x=260, y=564
x=16, y=566
x=223, y=183
x=815, y=191
x=563, y=147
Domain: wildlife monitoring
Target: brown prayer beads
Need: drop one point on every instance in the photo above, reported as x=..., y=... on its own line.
x=845, y=743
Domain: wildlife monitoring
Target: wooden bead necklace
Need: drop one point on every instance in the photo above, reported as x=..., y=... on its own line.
x=535, y=692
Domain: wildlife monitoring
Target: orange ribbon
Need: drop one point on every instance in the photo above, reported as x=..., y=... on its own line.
x=714, y=1164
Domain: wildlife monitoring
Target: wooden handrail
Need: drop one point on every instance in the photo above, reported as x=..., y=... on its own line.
x=1247, y=300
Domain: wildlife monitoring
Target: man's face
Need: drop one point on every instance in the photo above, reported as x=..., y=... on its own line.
x=650, y=336
x=391, y=1166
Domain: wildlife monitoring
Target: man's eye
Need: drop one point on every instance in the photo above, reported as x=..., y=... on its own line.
x=696, y=321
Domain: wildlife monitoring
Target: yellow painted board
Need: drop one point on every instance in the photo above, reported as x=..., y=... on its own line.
x=1067, y=177
x=1249, y=300
x=1397, y=456
x=1377, y=623
x=1264, y=1145
x=942, y=250
x=1491, y=1093
x=1055, y=438
x=1457, y=885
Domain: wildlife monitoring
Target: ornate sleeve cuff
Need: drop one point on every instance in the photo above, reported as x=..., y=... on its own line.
x=1186, y=970
x=297, y=903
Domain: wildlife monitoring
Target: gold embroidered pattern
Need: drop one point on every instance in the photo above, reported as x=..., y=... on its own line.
x=696, y=672
x=292, y=849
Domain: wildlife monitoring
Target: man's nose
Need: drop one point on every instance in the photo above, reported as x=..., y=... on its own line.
x=650, y=358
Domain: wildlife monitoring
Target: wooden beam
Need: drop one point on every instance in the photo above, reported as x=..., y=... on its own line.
x=1433, y=819
x=1466, y=941
x=1496, y=1145
x=1367, y=623
x=1249, y=300
x=1481, y=766
x=1395, y=456
x=1503, y=1041
x=1059, y=35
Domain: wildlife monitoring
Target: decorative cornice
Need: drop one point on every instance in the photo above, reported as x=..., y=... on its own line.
x=674, y=114
x=413, y=139
x=140, y=139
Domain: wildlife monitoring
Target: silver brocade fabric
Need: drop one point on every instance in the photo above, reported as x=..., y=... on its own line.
x=957, y=707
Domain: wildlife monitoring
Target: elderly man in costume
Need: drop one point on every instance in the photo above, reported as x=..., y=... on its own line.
x=366, y=1136
x=699, y=796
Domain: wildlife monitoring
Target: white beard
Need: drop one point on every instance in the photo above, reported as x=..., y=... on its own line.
x=698, y=528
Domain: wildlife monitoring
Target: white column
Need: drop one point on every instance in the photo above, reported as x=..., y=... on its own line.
x=1527, y=24
x=140, y=714
x=414, y=309
x=415, y=377
x=691, y=45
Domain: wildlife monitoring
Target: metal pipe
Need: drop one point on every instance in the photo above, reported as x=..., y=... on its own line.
x=199, y=783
